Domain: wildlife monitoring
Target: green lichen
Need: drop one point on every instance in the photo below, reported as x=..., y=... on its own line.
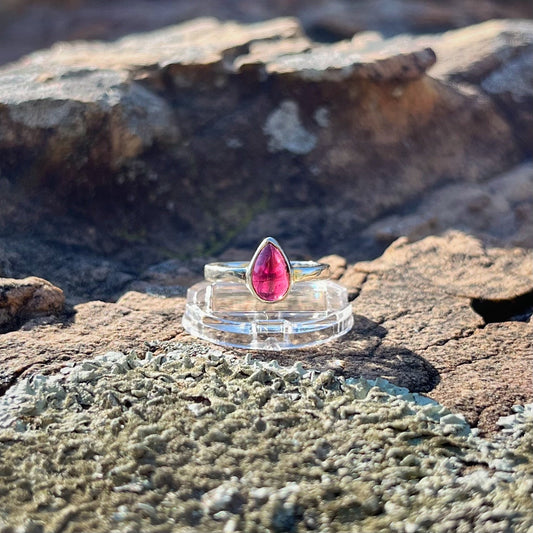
x=200, y=441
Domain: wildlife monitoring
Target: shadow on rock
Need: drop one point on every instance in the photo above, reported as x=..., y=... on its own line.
x=364, y=327
x=398, y=365
x=364, y=352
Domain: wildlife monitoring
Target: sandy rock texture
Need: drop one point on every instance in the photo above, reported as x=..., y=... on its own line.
x=45, y=345
x=23, y=299
x=466, y=310
x=444, y=316
x=196, y=136
x=196, y=440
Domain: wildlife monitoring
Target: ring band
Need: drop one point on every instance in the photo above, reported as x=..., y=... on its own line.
x=236, y=270
x=269, y=275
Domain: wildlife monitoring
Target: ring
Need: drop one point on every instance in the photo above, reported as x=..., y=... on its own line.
x=269, y=275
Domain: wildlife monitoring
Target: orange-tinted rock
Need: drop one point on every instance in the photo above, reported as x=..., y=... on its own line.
x=414, y=325
x=23, y=299
x=44, y=345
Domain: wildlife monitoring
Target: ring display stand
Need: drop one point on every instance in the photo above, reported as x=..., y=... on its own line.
x=226, y=313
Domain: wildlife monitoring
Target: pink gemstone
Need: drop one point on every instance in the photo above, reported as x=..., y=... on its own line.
x=270, y=274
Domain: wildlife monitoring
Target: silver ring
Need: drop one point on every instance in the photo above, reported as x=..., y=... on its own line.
x=269, y=275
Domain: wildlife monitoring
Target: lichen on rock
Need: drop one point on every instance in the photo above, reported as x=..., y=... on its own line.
x=286, y=131
x=197, y=439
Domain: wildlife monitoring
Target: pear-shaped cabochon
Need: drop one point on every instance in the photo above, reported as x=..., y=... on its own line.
x=270, y=274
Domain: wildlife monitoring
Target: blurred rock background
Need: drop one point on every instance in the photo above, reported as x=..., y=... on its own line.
x=28, y=25
x=336, y=128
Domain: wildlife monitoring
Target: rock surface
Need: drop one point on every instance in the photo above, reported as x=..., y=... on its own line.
x=82, y=274
x=171, y=142
x=93, y=327
x=198, y=440
x=125, y=166
x=435, y=289
x=498, y=211
x=24, y=299
x=32, y=24
x=496, y=57
x=419, y=322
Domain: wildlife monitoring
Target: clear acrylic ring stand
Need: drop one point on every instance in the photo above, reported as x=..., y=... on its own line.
x=226, y=313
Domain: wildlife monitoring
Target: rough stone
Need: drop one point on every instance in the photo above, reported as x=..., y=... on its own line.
x=93, y=327
x=496, y=56
x=24, y=21
x=82, y=274
x=195, y=129
x=24, y=299
x=430, y=287
x=490, y=371
x=343, y=19
x=419, y=323
x=337, y=265
x=458, y=265
x=120, y=160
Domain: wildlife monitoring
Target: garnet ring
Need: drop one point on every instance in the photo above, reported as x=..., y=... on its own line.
x=269, y=275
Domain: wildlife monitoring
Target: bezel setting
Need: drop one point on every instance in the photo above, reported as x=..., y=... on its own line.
x=249, y=269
